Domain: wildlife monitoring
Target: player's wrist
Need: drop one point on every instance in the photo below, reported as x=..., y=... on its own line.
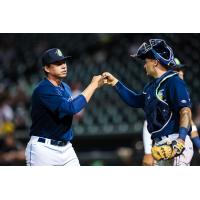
x=115, y=81
x=180, y=140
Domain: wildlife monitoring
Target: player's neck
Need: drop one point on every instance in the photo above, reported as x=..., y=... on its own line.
x=160, y=71
x=160, y=74
x=54, y=81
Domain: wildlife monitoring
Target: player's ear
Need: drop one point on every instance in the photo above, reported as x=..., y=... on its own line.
x=46, y=69
x=155, y=63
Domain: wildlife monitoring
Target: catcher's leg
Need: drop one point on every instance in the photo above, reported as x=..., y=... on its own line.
x=185, y=158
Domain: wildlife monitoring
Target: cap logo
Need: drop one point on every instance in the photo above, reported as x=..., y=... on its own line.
x=58, y=52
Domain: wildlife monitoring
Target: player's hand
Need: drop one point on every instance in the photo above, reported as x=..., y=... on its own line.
x=148, y=160
x=109, y=79
x=98, y=81
x=178, y=147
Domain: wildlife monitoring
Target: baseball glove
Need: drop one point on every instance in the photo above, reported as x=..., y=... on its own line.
x=166, y=152
x=163, y=152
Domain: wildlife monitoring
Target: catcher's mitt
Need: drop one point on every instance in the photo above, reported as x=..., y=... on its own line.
x=166, y=152
x=163, y=152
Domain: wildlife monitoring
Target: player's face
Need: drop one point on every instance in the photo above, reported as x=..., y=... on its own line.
x=58, y=69
x=150, y=67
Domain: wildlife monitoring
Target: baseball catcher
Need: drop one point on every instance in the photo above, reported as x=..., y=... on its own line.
x=165, y=101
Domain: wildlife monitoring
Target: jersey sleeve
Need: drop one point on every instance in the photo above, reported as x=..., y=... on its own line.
x=129, y=97
x=178, y=94
x=60, y=105
x=72, y=106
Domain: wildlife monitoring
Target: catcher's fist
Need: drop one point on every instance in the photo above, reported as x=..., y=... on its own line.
x=148, y=160
x=178, y=147
x=110, y=79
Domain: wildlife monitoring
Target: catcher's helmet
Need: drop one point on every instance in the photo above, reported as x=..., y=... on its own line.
x=157, y=49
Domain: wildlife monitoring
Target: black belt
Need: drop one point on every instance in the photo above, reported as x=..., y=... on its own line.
x=53, y=142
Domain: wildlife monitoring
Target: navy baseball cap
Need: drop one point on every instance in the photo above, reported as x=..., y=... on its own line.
x=52, y=55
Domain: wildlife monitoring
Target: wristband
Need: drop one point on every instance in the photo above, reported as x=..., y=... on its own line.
x=183, y=133
x=194, y=128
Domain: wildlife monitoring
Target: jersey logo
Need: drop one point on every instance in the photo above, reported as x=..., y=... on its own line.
x=160, y=94
x=70, y=99
x=183, y=101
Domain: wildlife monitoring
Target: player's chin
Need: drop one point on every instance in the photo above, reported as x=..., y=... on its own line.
x=63, y=75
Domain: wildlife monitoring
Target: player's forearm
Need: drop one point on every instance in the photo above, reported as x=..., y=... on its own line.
x=129, y=97
x=185, y=117
x=89, y=91
x=185, y=122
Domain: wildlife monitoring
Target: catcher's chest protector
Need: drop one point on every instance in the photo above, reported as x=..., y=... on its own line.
x=157, y=110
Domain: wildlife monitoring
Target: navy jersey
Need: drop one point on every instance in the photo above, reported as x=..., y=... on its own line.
x=52, y=111
x=161, y=100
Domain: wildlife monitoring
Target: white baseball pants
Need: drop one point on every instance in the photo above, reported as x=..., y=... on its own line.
x=46, y=154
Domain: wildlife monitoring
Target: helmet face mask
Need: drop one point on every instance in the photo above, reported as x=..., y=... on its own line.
x=156, y=49
x=143, y=51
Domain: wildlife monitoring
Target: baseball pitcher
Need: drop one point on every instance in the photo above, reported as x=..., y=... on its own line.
x=52, y=112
